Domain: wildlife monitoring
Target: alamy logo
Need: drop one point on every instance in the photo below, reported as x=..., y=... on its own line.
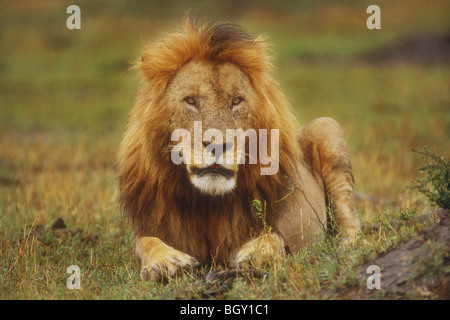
x=374, y=281
x=374, y=21
x=222, y=151
x=74, y=281
x=74, y=20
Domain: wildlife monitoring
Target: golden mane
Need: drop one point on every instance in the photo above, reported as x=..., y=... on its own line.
x=155, y=194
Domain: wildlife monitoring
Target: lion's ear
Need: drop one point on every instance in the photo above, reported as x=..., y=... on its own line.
x=152, y=73
x=160, y=61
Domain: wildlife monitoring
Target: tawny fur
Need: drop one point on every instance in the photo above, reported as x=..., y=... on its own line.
x=170, y=217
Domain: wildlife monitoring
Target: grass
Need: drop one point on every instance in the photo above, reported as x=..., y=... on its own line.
x=435, y=185
x=65, y=97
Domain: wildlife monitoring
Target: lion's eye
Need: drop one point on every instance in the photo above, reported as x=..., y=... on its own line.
x=190, y=100
x=236, y=101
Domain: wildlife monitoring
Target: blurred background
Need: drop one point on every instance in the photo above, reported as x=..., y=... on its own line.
x=65, y=94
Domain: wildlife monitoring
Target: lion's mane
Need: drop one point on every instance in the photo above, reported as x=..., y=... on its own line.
x=155, y=194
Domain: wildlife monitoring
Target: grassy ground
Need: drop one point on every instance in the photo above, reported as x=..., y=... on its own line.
x=64, y=100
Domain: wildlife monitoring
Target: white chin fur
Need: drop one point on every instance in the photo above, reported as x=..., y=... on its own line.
x=213, y=184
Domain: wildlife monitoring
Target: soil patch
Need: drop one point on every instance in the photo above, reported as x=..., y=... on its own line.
x=428, y=48
x=416, y=269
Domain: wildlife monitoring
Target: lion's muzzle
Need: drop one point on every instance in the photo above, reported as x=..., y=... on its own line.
x=214, y=169
x=214, y=179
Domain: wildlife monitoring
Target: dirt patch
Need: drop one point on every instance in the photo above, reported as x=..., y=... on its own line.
x=417, y=269
x=428, y=48
x=52, y=236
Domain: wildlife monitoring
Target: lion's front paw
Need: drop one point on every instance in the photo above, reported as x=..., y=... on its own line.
x=168, y=265
x=259, y=250
x=247, y=256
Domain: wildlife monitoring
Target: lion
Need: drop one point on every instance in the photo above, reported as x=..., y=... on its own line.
x=193, y=213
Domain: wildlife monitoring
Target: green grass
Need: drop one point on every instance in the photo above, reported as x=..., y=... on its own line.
x=64, y=101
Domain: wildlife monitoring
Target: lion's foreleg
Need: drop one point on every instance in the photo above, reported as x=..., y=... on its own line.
x=158, y=260
x=257, y=251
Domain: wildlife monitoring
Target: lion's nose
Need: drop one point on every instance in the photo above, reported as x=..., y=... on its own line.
x=217, y=148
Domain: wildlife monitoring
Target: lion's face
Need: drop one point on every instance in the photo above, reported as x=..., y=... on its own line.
x=210, y=102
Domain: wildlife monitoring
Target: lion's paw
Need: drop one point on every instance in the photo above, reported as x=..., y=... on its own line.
x=242, y=257
x=259, y=250
x=168, y=266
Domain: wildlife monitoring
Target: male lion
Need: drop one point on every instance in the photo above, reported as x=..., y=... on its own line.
x=195, y=212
